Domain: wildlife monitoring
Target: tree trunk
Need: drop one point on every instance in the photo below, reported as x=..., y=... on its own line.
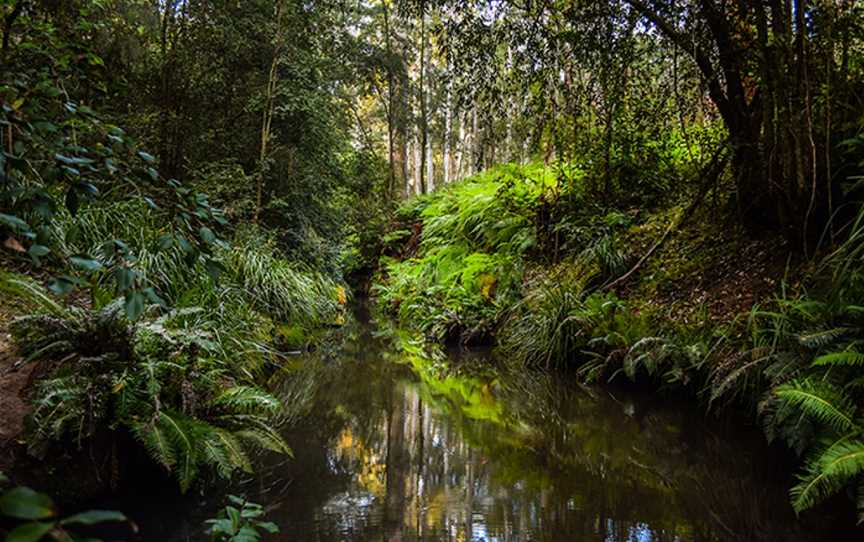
x=267, y=113
x=460, y=147
x=391, y=84
x=448, y=131
x=424, y=121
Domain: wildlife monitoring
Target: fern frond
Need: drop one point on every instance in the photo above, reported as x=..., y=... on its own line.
x=225, y=451
x=820, y=339
x=247, y=399
x=256, y=430
x=31, y=293
x=742, y=372
x=820, y=401
x=828, y=472
x=154, y=439
x=177, y=429
x=840, y=358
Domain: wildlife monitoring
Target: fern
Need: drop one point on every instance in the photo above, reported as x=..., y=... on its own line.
x=156, y=441
x=821, y=401
x=850, y=358
x=30, y=293
x=257, y=431
x=828, y=471
x=223, y=449
x=820, y=339
x=179, y=431
x=247, y=399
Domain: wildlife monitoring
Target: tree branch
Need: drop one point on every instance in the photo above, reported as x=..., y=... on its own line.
x=698, y=54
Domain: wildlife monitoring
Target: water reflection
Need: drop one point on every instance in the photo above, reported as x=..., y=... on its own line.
x=394, y=445
x=402, y=447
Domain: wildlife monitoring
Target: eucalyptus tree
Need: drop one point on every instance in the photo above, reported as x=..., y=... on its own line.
x=777, y=74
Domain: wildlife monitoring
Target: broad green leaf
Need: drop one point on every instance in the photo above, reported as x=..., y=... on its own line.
x=185, y=245
x=207, y=235
x=269, y=526
x=124, y=278
x=166, y=242
x=153, y=297
x=29, y=532
x=88, y=264
x=61, y=285
x=37, y=251
x=246, y=534
x=24, y=503
x=149, y=158
x=13, y=222
x=93, y=517
x=134, y=305
x=73, y=160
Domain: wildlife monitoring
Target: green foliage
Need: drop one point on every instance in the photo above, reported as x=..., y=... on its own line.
x=469, y=264
x=64, y=158
x=276, y=286
x=35, y=517
x=240, y=521
x=561, y=320
x=805, y=359
x=178, y=388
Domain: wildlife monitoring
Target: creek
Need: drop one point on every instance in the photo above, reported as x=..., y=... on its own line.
x=392, y=444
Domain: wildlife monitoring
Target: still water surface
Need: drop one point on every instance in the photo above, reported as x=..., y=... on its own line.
x=391, y=445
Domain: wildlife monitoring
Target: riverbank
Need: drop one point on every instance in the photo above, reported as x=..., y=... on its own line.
x=673, y=297
x=402, y=440
x=97, y=389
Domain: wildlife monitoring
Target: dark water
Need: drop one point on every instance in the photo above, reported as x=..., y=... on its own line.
x=392, y=445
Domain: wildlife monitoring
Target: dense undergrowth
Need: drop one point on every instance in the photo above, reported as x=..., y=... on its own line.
x=187, y=378
x=518, y=257
x=145, y=312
